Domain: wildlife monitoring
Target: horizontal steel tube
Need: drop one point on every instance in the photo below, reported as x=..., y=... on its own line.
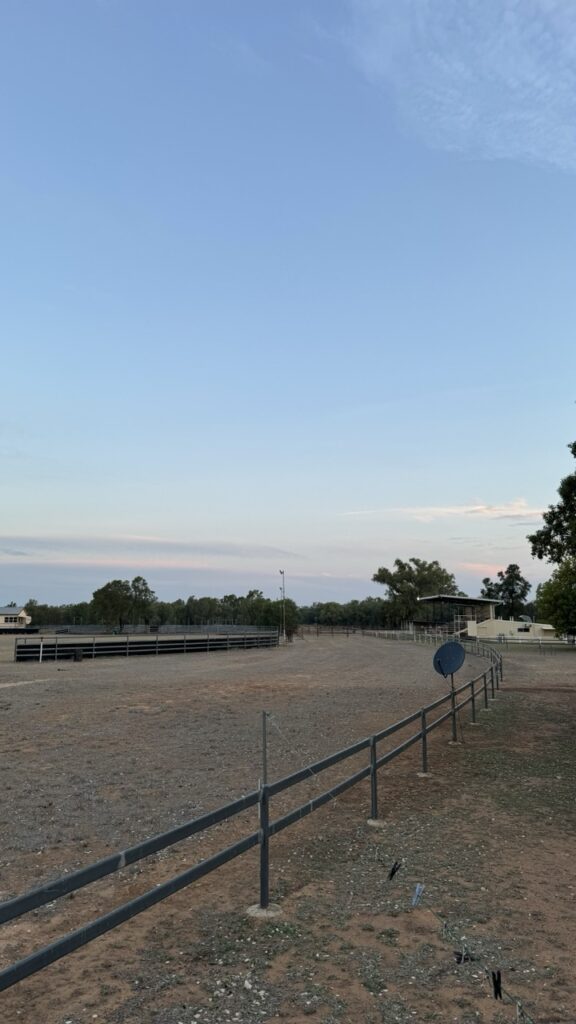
x=317, y=801
x=460, y=689
x=438, y=721
x=390, y=729
x=317, y=767
x=391, y=754
x=70, y=883
x=74, y=940
x=437, y=703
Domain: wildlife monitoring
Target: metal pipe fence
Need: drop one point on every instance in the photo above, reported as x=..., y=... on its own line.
x=484, y=685
x=58, y=648
x=431, y=636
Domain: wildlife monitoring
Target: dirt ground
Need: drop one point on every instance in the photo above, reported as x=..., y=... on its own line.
x=98, y=755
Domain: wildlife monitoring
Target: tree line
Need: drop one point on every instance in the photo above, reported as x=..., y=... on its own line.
x=120, y=604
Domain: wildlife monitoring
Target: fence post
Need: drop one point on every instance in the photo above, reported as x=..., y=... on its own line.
x=264, y=748
x=492, y=682
x=501, y=660
x=485, y=683
x=453, y=705
x=424, y=730
x=373, y=781
x=473, y=702
x=264, y=851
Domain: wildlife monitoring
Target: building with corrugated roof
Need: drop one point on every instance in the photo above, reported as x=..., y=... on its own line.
x=13, y=617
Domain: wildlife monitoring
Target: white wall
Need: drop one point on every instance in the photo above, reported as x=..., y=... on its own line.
x=22, y=620
x=491, y=629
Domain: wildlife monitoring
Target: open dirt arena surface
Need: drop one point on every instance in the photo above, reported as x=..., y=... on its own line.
x=99, y=755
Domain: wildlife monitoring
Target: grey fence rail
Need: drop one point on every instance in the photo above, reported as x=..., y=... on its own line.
x=477, y=693
x=430, y=636
x=58, y=648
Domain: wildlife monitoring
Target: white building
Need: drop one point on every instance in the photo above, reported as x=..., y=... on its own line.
x=13, y=617
x=511, y=629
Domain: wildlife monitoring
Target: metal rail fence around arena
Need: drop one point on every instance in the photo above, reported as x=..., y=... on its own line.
x=476, y=693
x=55, y=648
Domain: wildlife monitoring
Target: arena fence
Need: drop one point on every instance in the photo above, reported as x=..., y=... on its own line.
x=438, y=636
x=475, y=694
x=58, y=648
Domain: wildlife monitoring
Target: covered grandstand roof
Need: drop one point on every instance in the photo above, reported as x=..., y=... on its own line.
x=460, y=600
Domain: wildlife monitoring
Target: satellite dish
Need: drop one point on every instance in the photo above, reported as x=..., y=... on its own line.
x=449, y=658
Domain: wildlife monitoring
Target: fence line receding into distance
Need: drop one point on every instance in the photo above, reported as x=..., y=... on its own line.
x=477, y=692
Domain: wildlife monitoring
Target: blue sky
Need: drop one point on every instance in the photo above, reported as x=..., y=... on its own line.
x=282, y=285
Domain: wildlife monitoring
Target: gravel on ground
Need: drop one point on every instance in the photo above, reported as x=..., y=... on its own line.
x=99, y=755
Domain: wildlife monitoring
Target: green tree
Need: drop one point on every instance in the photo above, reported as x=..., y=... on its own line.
x=512, y=591
x=489, y=589
x=556, y=599
x=410, y=580
x=161, y=613
x=206, y=610
x=331, y=614
x=290, y=616
x=177, y=613
x=373, y=612
x=556, y=540
x=191, y=611
x=112, y=603
x=45, y=614
x=142, y=599
x=230, y=605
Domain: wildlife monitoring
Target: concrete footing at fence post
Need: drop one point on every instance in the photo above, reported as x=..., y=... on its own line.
x=376, y=822
x=424, y=775
x=264, y=913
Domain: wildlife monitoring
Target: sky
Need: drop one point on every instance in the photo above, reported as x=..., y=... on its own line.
x=282, y=286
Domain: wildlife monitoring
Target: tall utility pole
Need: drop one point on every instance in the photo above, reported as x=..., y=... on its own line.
x=283, y=590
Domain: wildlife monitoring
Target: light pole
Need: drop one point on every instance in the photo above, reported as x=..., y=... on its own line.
x=283, y=589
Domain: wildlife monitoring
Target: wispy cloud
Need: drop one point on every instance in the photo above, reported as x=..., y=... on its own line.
x=517, y=510
x=488, y=568
x=489, y=78
x=132, y=550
